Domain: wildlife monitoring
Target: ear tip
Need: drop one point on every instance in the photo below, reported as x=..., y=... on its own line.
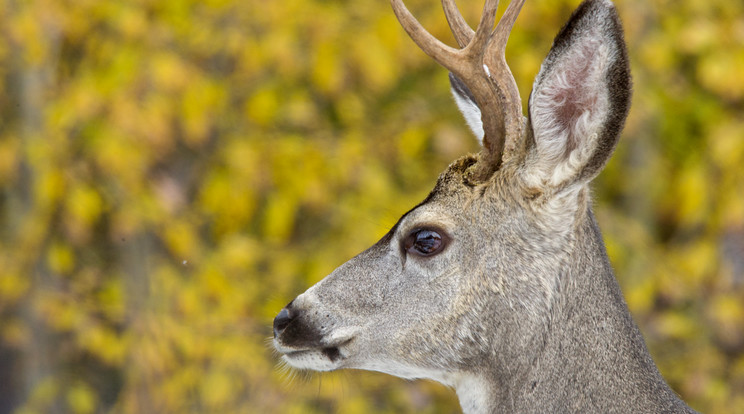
x=597, y=9
x=600, y=3
x=590, y=16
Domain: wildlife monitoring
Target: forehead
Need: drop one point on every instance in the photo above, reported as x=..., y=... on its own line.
x=453, y=179
x=451, y=194
x=429, y=215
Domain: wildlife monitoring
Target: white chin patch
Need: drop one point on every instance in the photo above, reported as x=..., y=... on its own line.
x=406, y=371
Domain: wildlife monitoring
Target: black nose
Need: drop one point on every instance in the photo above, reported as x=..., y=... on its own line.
x=281, y=321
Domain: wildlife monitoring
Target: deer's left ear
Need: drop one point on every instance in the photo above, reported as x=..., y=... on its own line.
x=579, y=101
x=466, y=104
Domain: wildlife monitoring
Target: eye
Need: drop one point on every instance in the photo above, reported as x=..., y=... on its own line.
x=425, y=242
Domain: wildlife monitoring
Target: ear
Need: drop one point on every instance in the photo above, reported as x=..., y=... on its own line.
x=466, y=103
x=579, y=101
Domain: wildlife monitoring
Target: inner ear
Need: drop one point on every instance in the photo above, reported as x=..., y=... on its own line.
x=571, y=103
x=575, y=102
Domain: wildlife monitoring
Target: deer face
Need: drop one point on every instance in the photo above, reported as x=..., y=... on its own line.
x=414, y=304
x=391, y=297
x=465, y=281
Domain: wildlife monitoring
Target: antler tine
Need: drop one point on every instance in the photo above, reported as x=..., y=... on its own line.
x=495, y=58
x=460, y=29
x=501, y=34
x=483, y=31
x=443, y=54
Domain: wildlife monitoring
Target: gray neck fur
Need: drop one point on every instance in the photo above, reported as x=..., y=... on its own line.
x=591, y=357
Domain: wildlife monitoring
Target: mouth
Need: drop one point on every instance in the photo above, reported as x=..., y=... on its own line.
x=326, y=358
x=332, y=353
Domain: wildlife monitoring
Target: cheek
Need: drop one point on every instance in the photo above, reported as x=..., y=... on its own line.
x=424, y=340
x=441, y=270
x=422, y=290
x=419, y=308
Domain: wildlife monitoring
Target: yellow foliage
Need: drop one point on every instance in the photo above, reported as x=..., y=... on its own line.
x=169, y=71
x=81, y=399
x=8, y=160
x=60, y=258
x=217, y=388
x=412, y=142
x=84, y=205
x=263, y=106
x=13, y=286
x=181, y=240
x=277, y=221
x=675, y=325
x=327, y=74
x=42, y=397
x=721, y=73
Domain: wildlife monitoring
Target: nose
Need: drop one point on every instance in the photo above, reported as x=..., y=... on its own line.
x=281, y=321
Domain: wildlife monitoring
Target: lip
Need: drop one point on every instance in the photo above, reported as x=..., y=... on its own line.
x=332, y=355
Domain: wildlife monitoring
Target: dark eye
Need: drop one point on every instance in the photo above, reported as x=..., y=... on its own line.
x=424, y=242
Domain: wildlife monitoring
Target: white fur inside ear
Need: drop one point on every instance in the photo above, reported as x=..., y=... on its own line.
x=472, y=115
x=569, y=105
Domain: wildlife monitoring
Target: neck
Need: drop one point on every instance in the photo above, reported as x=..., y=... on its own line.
x=593, y=357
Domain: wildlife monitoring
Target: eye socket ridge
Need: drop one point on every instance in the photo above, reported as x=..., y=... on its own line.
x=425, y=241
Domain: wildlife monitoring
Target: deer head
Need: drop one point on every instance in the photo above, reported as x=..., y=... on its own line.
x=498, y=283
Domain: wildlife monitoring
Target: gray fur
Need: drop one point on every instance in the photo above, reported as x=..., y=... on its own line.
x=520, y=312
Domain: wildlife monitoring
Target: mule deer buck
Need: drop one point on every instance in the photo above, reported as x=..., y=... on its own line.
x=498, y=283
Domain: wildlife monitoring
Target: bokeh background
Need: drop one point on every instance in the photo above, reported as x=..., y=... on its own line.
x=173, y=172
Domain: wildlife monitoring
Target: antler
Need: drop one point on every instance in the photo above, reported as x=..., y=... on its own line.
x=481, y=64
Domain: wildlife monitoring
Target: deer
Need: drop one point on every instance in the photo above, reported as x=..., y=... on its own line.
x=498, y=283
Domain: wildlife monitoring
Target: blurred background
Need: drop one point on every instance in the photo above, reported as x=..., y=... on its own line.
x=174, y=172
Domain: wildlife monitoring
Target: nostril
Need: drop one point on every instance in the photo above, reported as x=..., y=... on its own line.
x=281, y=321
